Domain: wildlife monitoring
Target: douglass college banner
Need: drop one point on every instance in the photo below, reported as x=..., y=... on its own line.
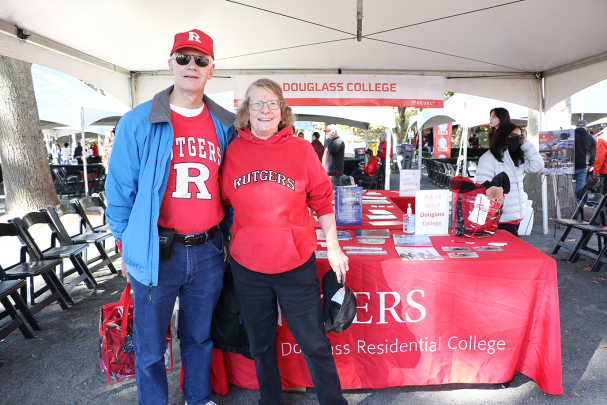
x=353, y=90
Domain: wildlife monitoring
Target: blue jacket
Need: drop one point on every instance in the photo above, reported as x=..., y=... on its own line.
x=137, y=178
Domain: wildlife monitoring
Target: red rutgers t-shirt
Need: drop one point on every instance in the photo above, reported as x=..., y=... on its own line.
x=192, y=202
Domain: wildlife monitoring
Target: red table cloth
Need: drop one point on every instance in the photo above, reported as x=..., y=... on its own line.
x=474, y=320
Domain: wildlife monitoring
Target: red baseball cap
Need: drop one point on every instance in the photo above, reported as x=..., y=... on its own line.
x=194, y=39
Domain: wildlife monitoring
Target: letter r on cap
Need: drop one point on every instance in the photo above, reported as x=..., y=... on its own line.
x=194, y=37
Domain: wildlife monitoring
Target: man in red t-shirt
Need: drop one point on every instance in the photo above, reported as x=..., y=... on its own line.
x=164, y=177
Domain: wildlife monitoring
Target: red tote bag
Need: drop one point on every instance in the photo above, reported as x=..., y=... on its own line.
x=116, y=356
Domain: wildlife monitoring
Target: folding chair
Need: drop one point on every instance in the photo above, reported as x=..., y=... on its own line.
x=93, y=203
x=578, y=219
x=372, y=183
x=69, y=185
x=65, y=251
x=600, y=258
x=588, y=230
x=8, y=289
x=96, y=238
x=24, y=270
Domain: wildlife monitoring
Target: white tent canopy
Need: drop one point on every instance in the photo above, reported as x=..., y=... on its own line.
x=489, y=48
x=590, y=104
x=465, y=110
x=64, y=101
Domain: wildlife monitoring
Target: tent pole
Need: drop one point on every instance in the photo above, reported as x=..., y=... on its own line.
x=366, y=142
x=419, y=149
x=543, y=177
x=465, y=146
x=86, y=177
x=460, y=155
x=388, y=159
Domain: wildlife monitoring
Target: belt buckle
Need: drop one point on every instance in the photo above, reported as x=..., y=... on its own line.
x=190, y=240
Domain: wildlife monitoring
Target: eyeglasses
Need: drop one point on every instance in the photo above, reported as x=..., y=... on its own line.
x=257, y=105
x=185, y=59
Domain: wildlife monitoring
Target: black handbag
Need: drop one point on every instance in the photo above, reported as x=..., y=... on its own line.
x=227, y=326
x=165, y=242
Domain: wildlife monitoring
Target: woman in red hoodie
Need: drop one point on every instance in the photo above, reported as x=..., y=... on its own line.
x=364, y=174
x=272, y=178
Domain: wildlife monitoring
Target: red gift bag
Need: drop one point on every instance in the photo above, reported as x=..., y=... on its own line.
x=473, y=215
x=116, y=356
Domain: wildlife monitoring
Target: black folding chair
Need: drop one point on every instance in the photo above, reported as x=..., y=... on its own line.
x=96, y=238
x=24, y=270
x=371, y=184
x=64, y=251
x=578, y=219
x=11, y=289
x=588, y=231
x=93, y=203
x=66, y=184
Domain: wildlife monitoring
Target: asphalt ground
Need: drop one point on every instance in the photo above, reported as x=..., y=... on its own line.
x=61, y=366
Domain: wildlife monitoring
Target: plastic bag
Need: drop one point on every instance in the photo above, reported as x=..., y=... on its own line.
x=116, y=357
x=474, y=215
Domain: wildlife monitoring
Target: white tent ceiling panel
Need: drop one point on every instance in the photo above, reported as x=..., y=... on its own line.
x=517, y=91
x=113, y=83
x=504, y=37
x=561, y=86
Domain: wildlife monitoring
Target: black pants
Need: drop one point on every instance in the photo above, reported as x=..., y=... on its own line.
x=298, y=293
x=513, y=229
x=359, y=176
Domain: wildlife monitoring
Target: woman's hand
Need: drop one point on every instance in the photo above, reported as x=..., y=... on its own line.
x=339, y=263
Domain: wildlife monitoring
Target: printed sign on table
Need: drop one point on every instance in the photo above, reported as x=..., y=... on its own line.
x=349, y=206
x=442, y=140
x=354, y=90
x=409, y=182
x=432, y=212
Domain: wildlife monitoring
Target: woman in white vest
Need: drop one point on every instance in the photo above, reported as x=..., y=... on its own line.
x=510, y=152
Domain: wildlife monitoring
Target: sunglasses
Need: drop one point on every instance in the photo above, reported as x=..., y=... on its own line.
x=184, y=60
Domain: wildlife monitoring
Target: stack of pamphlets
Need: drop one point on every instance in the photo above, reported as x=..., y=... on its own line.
x=412, y=240
x=382, y=216
x=487, y=248
x=372, y=233
x=385, y=223
x=341, y=235
x=372, y=241
x=364, y=250
x=418, y=253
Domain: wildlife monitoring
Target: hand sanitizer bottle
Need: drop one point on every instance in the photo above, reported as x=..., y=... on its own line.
x=409, y=221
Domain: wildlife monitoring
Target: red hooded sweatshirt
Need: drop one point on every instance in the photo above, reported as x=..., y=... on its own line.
x=271, y=183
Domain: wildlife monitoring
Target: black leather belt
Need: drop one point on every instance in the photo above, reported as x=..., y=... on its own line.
x=195, y=240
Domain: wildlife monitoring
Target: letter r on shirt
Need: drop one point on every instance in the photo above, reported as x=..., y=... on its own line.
x=183, y=180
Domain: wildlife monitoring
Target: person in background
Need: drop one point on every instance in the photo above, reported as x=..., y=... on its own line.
x=108, y=144
x=585, y=149
x=497, y=116
x=94, y=150
x=510, y=152
x=473, y=141
x=300, y=135
x=272, y=179
x=333, y=155
x=65, y=154
x=56, y=152
x=429, y=141
x=317, y=145
x=364, y=173
x=164, y=174
x=382, y=149
x=600, y=162
x=78, y=153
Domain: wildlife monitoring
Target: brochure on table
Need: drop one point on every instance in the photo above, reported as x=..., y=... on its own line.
x=432, y=212
x=349, y=206
x=409, y=182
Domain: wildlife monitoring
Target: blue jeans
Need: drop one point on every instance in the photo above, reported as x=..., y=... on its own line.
x=298, y=293
x=195, y=274
x=580, y=181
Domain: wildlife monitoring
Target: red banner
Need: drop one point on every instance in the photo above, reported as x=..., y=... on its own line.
x=353, y=90
x=437, y=322
x=442, y=140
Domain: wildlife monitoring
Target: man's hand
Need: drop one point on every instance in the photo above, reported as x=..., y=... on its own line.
x=339, y=263
x=124, y=270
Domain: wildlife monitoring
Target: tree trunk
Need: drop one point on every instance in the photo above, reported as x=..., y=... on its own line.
x=28, y=184
x=401, y=129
